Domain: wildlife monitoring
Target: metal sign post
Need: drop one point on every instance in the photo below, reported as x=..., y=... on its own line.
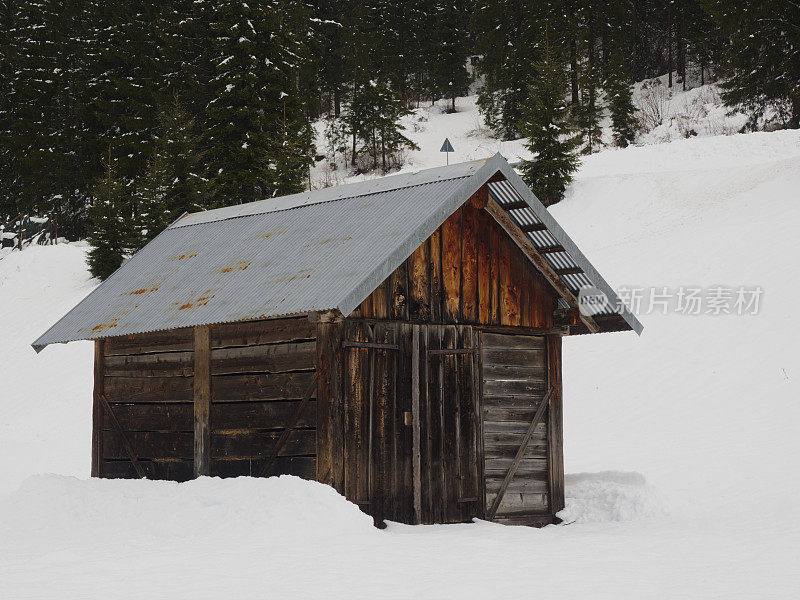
x=447, y=148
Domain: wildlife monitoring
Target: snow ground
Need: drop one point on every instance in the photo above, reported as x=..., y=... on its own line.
x=682, y=446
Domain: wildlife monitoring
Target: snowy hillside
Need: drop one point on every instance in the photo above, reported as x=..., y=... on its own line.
x=682, y=446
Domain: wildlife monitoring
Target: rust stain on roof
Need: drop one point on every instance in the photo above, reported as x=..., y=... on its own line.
x=201, y=301
x=276, y=231
x=184, y=256
x=140, y=291
x=235, y=266
x=302, y=274
x=108, y=325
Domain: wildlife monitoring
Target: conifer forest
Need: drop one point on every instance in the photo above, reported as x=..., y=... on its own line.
x=118, y=117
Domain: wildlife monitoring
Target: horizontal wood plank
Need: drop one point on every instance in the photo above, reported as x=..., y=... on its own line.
x=260, y=415
x=260, y=386
x=499, y=341
x=152, y=417
x=300, y=466
x=519, y=504
x=254, y=333
x=513, y=357
x=173, y=470
x=224, y=416
x=148, y=389
x=172, y=340
x=513, y=387
x=271, y=358
x=155, y=364
x=260, y=444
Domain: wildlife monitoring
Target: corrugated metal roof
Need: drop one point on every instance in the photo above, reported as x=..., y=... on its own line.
x=308, y=252
x=505, y=194
x=513, y=189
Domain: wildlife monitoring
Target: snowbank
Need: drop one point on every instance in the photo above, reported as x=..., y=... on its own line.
x=610, y=496
x=704, y=407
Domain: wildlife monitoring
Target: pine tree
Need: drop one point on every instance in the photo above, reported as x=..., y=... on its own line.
x=112, y=231
x=150, y=197
x=590, y=110
x=125, y=91
x=620, y=104
x=257, y=56
x=372, y=117
x=451, y=36
x=762, y=57
x=179, y=145
x=551, y=140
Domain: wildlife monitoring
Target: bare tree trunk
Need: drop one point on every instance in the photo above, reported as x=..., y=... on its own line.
x=573, y=57
x=669, y=42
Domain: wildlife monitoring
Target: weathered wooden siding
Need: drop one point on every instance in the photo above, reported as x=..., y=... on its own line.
x=403, y=419
x=470, y=272
x=515, y=378
x=259, y=371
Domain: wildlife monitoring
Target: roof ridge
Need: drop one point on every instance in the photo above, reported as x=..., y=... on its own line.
x=340, y=192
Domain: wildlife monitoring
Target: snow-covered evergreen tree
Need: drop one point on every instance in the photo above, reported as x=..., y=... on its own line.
x=112, y=231
x=254, y=117
x=547, y=125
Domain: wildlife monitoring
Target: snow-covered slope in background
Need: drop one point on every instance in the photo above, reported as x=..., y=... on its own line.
x=682, y=446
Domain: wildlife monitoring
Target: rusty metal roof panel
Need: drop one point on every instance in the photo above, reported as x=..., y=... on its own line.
x=308, y=258
x=323, y=250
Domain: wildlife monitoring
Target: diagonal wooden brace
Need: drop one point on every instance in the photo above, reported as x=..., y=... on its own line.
x=279, y=445
x=537, y=418
x=121, y=432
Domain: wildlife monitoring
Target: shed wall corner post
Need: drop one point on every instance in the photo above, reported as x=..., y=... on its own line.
x=555, y=433
x=330, y=408
x=202, y=400
x=97, y=407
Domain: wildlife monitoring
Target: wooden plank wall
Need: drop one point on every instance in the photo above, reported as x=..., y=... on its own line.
x=469, y=271
x=377, y=450
x=449, y=425
x=380, y=419
x=515, y=378
x=259, y=372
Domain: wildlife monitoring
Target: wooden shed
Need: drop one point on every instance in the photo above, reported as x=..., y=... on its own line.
x=398, y=339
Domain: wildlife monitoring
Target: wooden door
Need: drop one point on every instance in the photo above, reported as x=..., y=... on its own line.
x=377, y=419
x=446, y=422
x=515, y=381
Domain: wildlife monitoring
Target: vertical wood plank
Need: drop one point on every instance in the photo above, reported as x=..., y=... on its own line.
x=505, y=283
x=352, y=380
x=451, y=395
x=484, y=268
x=451, y=267
x=436, y=275
x=403, y=435
x=416, y=382
x=435, y=492
x=366, y=307
x=381, y=406
x=380, y=301
x=330, y=412
x=419, y=286
x=469, y=264
x=202, y=400
x=467, y=438
x=366, y=482
x=555, y=425
x=97, y=408
x=494, y=270
x=524, y=286
x=398, y=293
x=478, y=394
